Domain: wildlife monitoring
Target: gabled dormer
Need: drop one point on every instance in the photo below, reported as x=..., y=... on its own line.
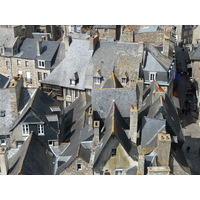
x=97, y=78
x=74, y=80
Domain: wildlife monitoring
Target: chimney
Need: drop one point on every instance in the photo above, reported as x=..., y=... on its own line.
x=139, y=89
x=166, y=42
x=96, y=133
x=140, y=169
x=163, y=149
x=39, y=47
x=157, y=93
x=90, y=118
x=66, y=41
x=132, y=83
x=133, y=124
x=3, y=161
x=92, y=42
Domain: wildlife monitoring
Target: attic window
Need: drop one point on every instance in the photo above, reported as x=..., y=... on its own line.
x=119, y=172
x=79, y=167
x=152, y=76
x=41, y=63
x=2, y=113
x=124, y=80
x=97, y=80
x=114, y=152
x=3, y=142
x=40, y=129
x=72, y=82
x=25, y=130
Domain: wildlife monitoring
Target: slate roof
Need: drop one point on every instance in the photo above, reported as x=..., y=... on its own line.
x=150, y=129
x=105, y=26
x=4, y=81
x=112, y=82
x=123, y=97
x=77, y=60
x=196, y=54
x=114, y=57
x=155, y=60
x=28, y=50
x=115, y=126
x=164, y=108
x=76, y=131
x=7, y=38
x=38, y=36
x=33, y=158
x=148, y=29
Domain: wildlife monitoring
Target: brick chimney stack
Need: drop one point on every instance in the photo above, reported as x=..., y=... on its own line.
x=92, y=42
x=96, y=133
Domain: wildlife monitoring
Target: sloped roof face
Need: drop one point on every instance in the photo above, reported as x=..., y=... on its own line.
x=196, y=54
x=28, y=49
x=114, y=126
x=164, y=61
x=123, y=97
x=113, y=56
x=74, y=131
x=112, y=82
x=3, y=81
x=105, y=26
x=7, y=38
x=148, y=29
x=77, y=60
x=150, y=129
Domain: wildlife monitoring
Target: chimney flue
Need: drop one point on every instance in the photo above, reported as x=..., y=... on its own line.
x=133, y=124
x=39, y=47
x=3, y=161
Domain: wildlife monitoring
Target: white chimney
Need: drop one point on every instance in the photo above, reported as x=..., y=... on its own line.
x=3, y=161
x=39, y=47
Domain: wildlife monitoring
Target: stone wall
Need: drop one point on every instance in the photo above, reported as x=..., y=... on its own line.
x=72, y=169
x=155, y=37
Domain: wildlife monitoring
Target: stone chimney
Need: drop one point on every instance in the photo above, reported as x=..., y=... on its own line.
x=92, y=42
x=162, y=170
x=3, y=161
x=157, y=93
x=66, y=41
x=140, y=169
x=39, y=47
x=90, y=118
x=163, y=148
x=166, y=42
x=133, y=124
x=96, y=133
x=139, y=89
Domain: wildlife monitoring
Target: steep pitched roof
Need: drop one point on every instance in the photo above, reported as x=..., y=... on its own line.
x=148, y=29
x=33, y=158
x=196, y=54
x=28, y=49
x=4, y=81
x=123, y=97
x=77, y=60
x=115, y=125
x=155, y=60
x=7, y=38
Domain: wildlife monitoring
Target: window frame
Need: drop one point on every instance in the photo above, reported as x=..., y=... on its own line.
x=97, y=80
x=152, y=74
x=39, y=76
x=41, y=62
x=26, y=61
x=19, y=63
x=119, y=170
x=79, y=169
x=25, y=130
x=40, y=128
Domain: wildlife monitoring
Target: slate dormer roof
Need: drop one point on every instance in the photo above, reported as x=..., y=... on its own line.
x=155, y=60
x=28, y=50
x=114, y=125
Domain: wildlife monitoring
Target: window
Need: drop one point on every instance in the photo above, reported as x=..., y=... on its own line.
x=50, y=142
x=124, y=80
x=19, y=71
x=28, y=77
x=39, y=76
x=106, y=30
x=97, y=80
x=2, y=113
x=41, y=63
x=26, y=63
x=72, y=82
x=152, y=76
x=114, y=152
x=3, y=142
x=76, y=93
x=25, y=130
x=119, y=172
x=40, y=129
x=45, y=75
x=79, y=166
x=18, y=62
x=2, y=51
x=8, y=64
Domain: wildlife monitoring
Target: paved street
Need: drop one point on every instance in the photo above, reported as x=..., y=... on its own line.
x=191, y=129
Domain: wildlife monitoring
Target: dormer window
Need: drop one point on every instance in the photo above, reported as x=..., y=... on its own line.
x=41, y=63
x=25, y=130
x=152, y=76
x=124, y=80
x=97, y=80
x=2, y=113
x=72, y=82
